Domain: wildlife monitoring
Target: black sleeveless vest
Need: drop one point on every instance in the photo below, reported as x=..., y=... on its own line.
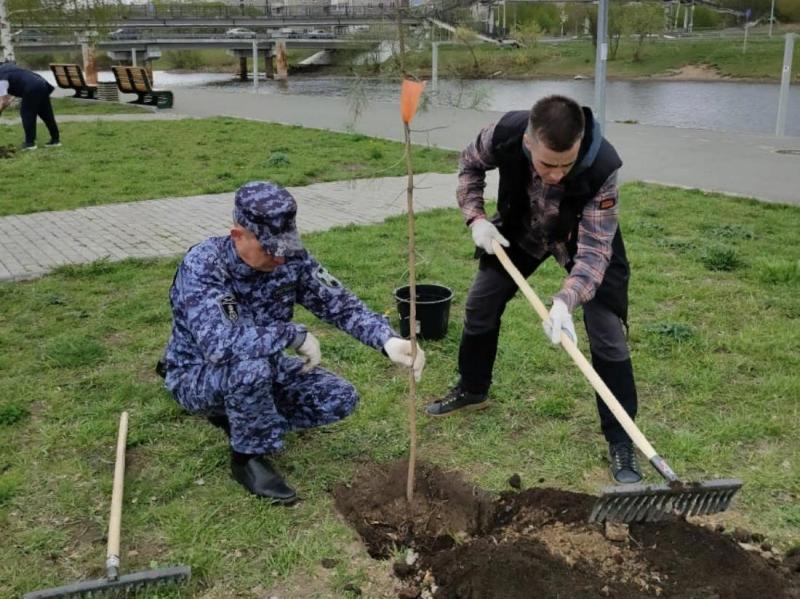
x=580, y=186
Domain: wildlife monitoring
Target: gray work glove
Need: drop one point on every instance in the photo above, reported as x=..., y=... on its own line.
x=560, y=320
x=483, y=232
x=310, y=352
x=399, y=352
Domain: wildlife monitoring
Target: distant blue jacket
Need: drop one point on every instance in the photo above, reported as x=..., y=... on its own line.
x=22, y=81
x=223, y=310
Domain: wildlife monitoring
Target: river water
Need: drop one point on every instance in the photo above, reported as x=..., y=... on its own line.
x=741, y=107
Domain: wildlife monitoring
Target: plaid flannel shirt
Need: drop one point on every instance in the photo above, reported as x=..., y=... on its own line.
x=596, y=229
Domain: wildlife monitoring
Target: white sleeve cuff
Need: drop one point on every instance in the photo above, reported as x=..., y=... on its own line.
x=3, y=87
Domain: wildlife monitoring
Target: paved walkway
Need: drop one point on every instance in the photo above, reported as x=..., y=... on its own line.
x=31, y=245
x=737, y=164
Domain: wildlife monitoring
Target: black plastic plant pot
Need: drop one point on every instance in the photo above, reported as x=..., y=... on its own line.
x=433, y=310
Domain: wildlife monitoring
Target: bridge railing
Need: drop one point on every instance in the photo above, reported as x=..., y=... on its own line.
x=219, y=11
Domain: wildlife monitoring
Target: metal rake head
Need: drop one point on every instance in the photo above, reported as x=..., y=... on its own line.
x=128, y=583
x=650, y=503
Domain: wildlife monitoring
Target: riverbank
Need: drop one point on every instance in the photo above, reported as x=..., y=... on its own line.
x=688, y=59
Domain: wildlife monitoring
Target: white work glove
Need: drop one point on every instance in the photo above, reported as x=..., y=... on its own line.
x=560, y=320
x=399, y=352
x=483, y=232
x=310, y=352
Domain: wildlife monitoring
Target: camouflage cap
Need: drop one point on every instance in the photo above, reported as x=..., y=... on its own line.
x=268, y=211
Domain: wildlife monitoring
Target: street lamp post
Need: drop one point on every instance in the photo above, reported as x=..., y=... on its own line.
x=786, y=79
x=601, y=57
x=771, y=17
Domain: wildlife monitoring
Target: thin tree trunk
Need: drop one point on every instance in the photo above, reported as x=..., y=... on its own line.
x=412, y=323
x=412, y=279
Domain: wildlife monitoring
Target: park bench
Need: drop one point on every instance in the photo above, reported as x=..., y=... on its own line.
x=70, y=76
x=135, y=80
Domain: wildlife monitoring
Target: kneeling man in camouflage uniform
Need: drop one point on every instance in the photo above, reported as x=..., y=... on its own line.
x=232, y=302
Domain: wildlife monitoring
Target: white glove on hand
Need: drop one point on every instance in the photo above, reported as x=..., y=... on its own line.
x=483, y=232
x=310, y=352
x=399, y=352
x=560, y=320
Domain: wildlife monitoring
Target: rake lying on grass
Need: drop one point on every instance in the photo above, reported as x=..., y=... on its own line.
x=114, y=584
x=634, y=503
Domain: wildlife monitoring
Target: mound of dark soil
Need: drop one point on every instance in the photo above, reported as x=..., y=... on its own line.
x=7, y=151
x=537, y=543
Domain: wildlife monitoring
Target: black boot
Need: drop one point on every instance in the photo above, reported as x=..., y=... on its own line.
x=257, y=475
x=221, y=421
x=624, y=466
x=458, y=400
x=476, y=356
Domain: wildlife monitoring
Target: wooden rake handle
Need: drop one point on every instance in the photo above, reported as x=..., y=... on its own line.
x=112, y=555
x=586, y=368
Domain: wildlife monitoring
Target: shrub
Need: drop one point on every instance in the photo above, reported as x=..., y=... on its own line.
x=671, y=331
x=277, y=159
x=720, y=257
x=779, y=272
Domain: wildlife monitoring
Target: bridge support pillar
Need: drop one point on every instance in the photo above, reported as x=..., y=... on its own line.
x=269, y=68
x=242, y=67
x=88, y=53
x=281, y=61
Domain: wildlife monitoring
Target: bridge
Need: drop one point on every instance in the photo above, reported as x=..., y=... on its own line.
x=220, y=16
x=199, y=43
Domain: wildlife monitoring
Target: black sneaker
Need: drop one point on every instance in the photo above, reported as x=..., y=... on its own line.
x=624, y=466
x=53, y=143
x=259, y=477
x=29, y=147
x=458, y=399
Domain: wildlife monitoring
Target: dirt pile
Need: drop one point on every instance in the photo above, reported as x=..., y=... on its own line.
x=7, y=151
x=461, y=542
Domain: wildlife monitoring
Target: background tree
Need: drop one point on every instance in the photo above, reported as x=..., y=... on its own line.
x=788, y=10
x=470, y=39
x=643, y=20
x=528, y=34
x=616, y=27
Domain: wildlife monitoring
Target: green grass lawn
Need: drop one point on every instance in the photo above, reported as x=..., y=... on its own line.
x=109, y=162
x=78, y=106
x=714, y=315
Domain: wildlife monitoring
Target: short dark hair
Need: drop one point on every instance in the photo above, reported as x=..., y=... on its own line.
x=557, y=121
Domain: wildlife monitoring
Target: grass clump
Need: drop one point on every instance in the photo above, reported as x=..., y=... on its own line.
x=672, y=331
x=779, y=272
x=12, y=412
x=278, y=159
x=720, y=257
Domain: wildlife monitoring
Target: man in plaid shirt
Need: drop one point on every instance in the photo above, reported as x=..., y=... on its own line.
x=557, y=197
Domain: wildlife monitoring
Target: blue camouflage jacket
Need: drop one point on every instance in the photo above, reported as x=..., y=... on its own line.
x=224, y=310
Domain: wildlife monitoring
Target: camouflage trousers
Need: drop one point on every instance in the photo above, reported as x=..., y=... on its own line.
x=263, y=399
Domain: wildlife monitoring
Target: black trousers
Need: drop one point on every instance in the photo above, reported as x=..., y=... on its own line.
x=37, y=104
x=603, y=317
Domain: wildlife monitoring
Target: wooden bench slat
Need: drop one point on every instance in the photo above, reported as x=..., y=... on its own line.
x=136, y=80
x=70, y=76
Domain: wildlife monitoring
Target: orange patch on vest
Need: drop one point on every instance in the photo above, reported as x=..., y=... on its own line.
x=607, y=203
